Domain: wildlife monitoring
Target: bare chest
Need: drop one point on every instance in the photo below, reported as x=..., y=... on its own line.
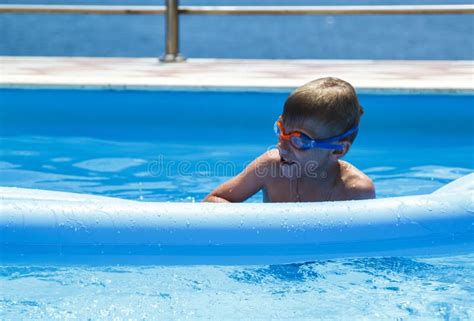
x=297, y=190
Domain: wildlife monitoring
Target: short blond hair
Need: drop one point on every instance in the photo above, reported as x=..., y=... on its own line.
x=329, y=100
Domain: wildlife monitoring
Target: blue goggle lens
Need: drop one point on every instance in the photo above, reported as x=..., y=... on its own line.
x=300, y=142
x=276, y=129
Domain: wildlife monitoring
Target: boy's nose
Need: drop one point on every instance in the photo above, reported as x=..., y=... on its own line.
x=283, y=147
x=283, y=144
x=280, y=144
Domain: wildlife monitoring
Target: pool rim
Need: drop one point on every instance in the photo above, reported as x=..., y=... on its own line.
x=233, y=89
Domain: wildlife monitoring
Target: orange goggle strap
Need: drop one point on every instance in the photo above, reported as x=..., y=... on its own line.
x=283, y=134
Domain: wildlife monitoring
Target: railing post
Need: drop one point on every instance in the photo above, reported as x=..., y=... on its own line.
x=172, y=33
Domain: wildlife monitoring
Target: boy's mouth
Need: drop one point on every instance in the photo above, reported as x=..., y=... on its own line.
x=286, y=161
x=289, y=168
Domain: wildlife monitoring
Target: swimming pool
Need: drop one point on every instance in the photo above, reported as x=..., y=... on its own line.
x=177, y=145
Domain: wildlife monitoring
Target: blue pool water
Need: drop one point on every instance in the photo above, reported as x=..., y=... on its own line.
x=179, y=145
x=350, y=289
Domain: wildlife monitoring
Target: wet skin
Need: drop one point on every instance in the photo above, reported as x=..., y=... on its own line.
x=287, y=174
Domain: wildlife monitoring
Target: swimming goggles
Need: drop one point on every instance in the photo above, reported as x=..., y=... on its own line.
x=302, y=141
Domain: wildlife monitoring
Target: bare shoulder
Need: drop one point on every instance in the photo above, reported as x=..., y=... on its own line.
x=357, y=185
x=270, y=156
x=266, y=164
x=267, y=159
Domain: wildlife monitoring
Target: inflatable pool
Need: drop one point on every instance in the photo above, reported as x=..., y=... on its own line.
x=49, y=226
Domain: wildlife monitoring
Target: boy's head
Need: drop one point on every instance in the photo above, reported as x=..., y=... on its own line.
x=321, y=109
x=331, y=103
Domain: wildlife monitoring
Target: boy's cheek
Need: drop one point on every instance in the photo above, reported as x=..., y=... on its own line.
x=313, y=157
x=307, y=155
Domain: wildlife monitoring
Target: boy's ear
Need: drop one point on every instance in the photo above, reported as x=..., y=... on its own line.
x=336, y=154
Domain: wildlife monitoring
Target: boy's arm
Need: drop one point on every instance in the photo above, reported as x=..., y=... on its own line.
x=241, y=187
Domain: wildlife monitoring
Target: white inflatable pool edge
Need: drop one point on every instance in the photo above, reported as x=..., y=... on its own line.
x=57, y=227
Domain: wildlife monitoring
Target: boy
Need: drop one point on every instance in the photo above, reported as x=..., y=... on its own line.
x=317, y=128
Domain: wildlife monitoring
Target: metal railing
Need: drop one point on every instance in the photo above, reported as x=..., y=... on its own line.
x=172, y=11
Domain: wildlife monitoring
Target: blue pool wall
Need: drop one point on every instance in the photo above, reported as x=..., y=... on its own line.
x=203, y=115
